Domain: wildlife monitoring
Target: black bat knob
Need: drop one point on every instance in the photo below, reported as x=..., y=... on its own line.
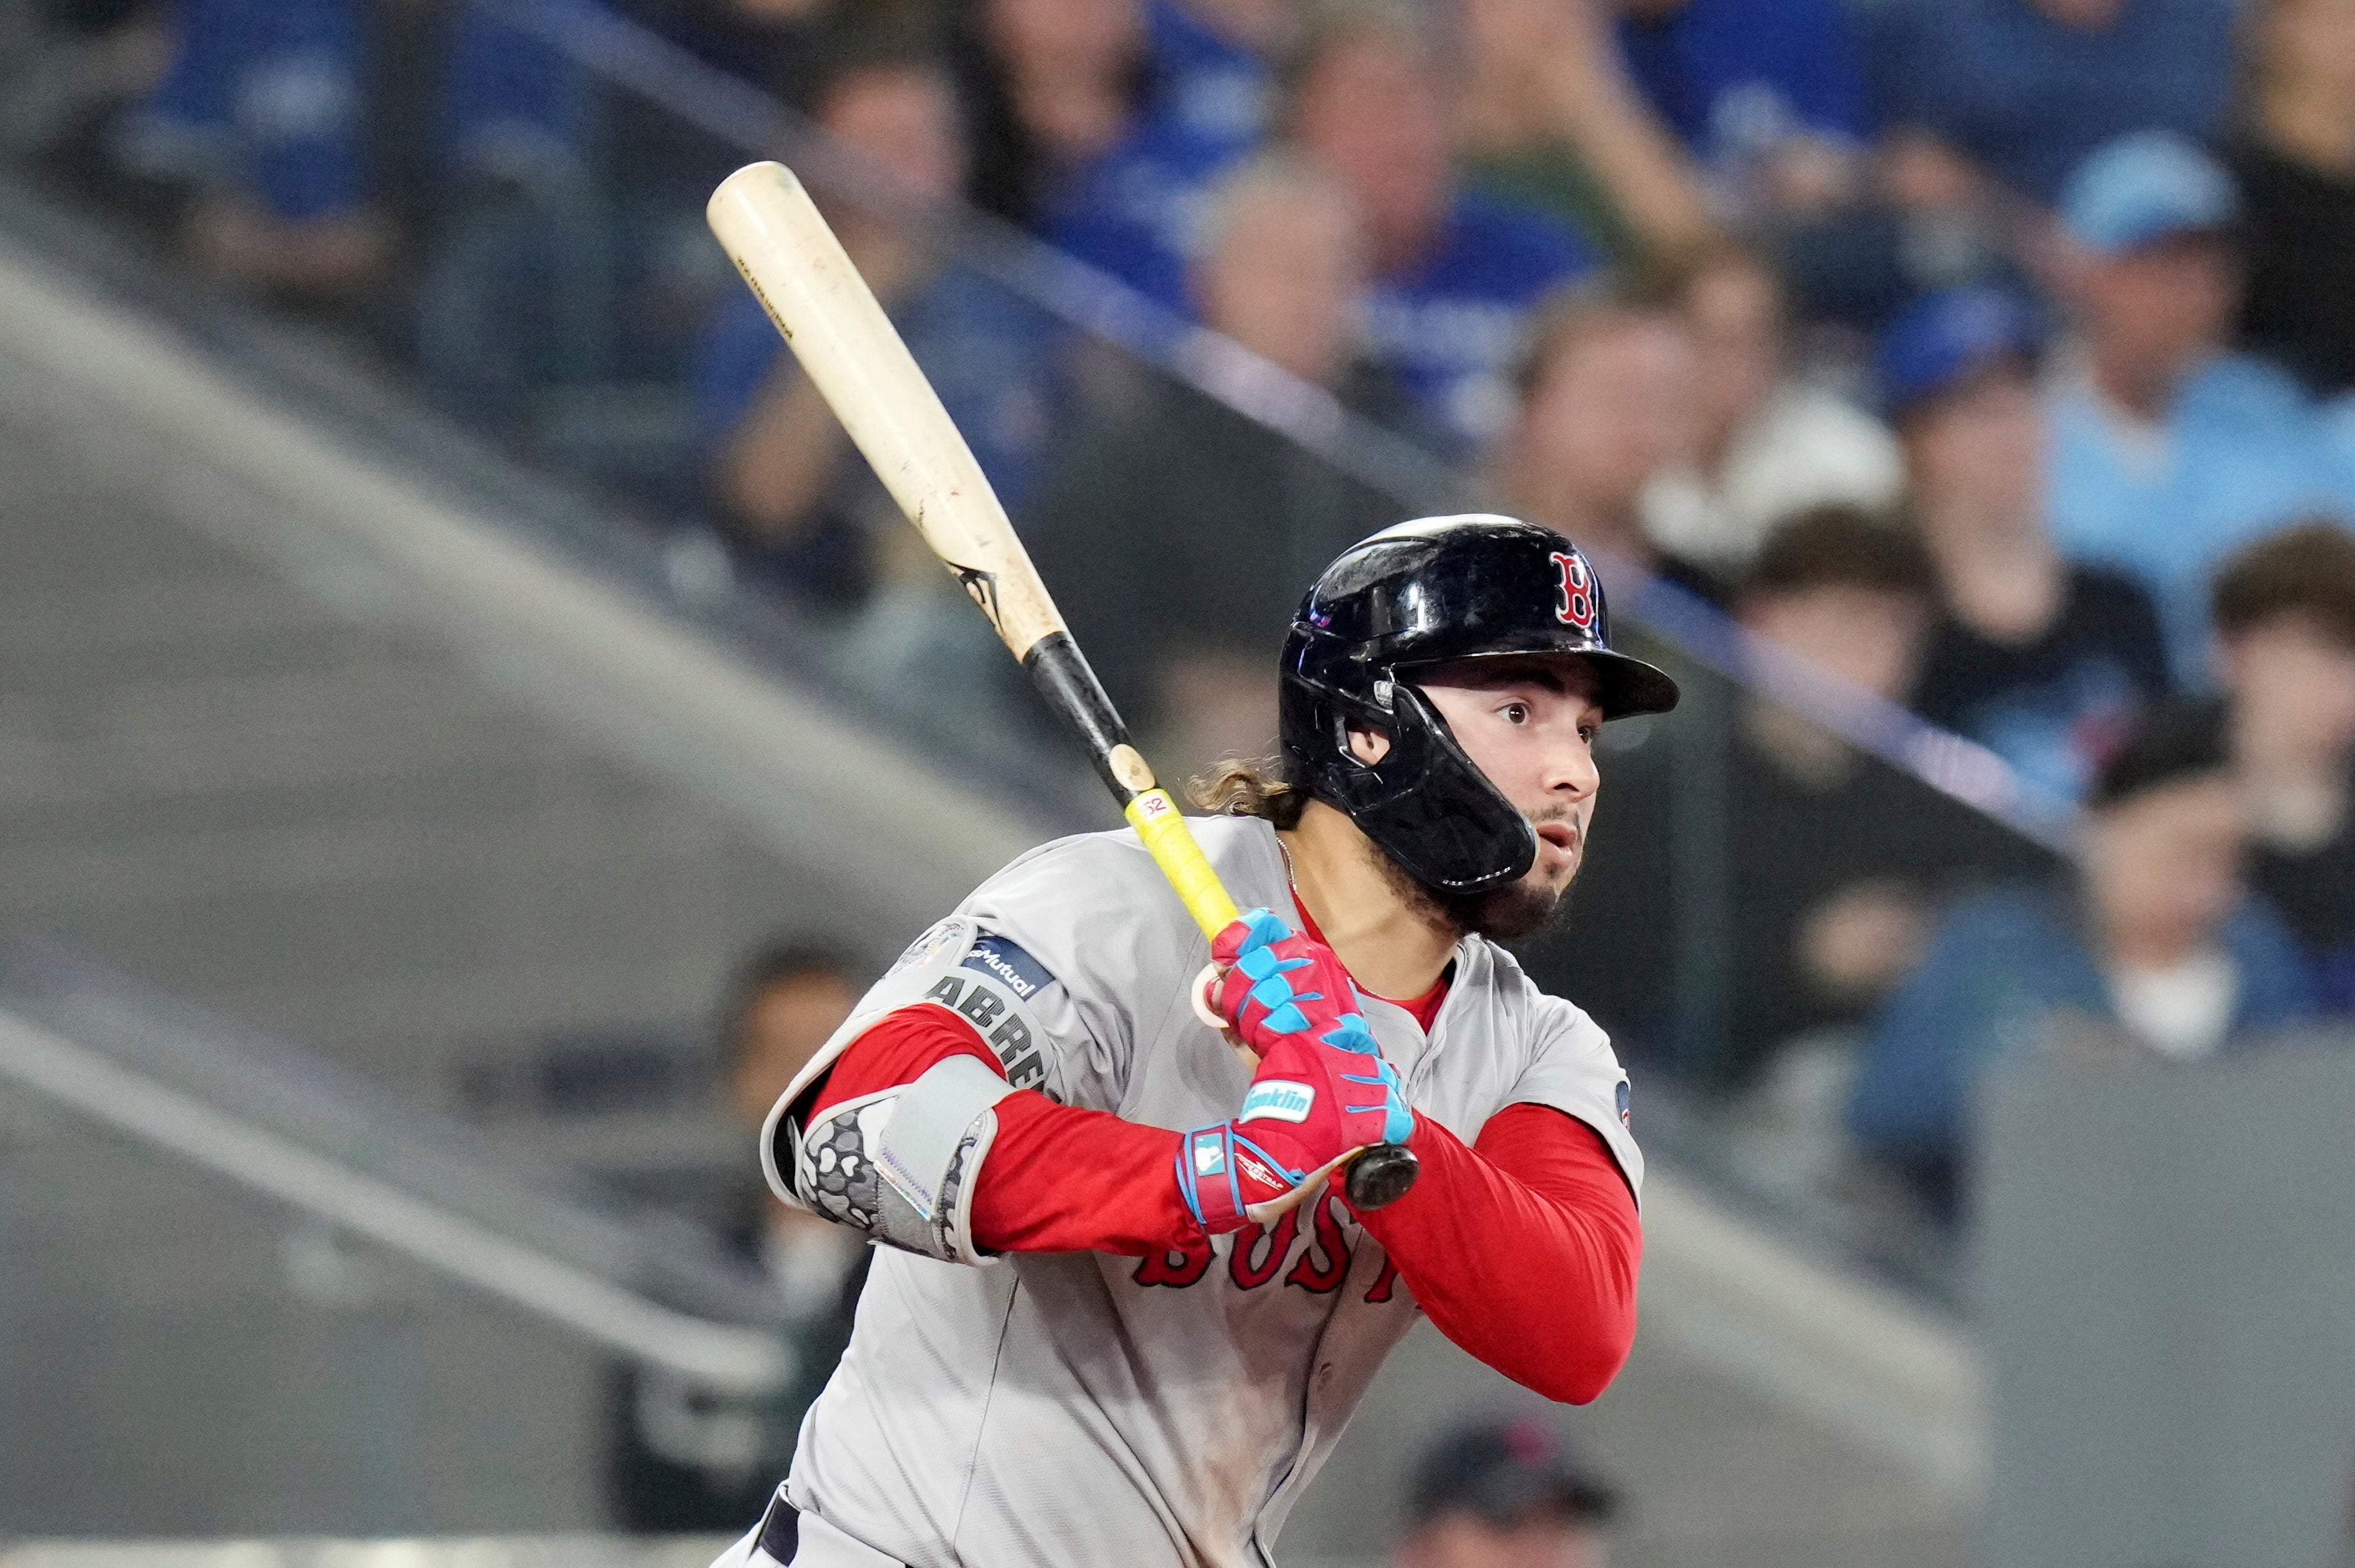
x=1381, y=1176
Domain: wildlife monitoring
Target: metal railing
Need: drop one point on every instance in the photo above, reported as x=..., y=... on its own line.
x=295, y=1129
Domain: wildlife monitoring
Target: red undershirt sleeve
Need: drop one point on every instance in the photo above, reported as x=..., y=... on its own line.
x=1058, y=1180
x=1523, y=1248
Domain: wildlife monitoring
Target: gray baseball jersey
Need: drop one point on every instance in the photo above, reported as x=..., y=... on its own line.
x=1082, y=1409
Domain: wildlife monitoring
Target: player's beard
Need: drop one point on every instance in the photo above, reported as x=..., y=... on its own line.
x=1518, y=909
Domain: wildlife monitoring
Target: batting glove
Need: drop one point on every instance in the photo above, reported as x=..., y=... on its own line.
x=1322, y=1092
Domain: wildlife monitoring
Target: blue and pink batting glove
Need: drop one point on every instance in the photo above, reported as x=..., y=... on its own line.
x=1322, y=1092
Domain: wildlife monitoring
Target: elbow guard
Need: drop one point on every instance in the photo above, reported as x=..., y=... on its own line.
x=899, y=1164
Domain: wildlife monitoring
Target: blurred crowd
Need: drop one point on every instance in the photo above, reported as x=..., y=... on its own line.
x=1995, y=357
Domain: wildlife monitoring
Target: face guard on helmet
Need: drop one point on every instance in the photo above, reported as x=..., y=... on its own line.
x=1422, y=593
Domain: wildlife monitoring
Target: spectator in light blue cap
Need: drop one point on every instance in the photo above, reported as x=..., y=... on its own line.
x=2144, y=189
x=2167, y=452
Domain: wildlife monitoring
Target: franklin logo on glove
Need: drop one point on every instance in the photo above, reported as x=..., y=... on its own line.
x=1277, y=1097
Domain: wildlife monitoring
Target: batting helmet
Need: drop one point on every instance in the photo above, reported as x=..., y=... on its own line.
x=1418, y=595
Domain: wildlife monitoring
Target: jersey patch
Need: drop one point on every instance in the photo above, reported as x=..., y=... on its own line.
x=1006, y=958
x=936, y=939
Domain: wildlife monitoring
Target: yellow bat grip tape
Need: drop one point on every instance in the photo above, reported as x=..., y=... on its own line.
x=1163, y=827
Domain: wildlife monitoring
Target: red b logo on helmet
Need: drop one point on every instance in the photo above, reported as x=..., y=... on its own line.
x=1575, y=603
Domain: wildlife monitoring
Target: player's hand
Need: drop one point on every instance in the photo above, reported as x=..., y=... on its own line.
x=1322, y=1092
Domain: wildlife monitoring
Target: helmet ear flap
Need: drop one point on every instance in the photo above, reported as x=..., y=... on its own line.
x=1426, y=804
x=1349, y=781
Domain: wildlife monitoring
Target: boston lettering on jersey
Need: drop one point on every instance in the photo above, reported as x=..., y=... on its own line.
x=1256, y=1254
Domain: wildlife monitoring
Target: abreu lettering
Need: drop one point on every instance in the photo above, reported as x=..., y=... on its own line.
x=992, y=1014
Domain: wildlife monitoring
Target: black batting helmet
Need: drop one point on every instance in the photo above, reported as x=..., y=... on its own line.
x=1422, y=593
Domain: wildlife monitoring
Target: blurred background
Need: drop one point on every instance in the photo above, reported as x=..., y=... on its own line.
x=470, y=725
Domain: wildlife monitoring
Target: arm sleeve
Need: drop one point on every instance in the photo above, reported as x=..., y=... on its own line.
x=1058, y=1179
x=1523, y=1248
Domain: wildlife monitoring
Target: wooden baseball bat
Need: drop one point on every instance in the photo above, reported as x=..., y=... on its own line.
x=854, y=356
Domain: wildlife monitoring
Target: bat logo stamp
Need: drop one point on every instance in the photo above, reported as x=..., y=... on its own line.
x=981, y=587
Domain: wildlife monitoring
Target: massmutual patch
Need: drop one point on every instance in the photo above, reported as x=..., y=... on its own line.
x=1006, y=958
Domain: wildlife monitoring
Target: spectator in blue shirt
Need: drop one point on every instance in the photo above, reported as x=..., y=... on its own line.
x=2167, y=452
x=516, y=107
x=1050, y=87
x=798, y=506
x=1455, y=272
x=1137, y=211
x=263, y=116
x=1210, y=64
x=2022, y=91
x=2154, y=936
x=1769, y=94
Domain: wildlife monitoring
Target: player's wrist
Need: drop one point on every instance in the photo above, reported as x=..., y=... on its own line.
x=1223, y=1174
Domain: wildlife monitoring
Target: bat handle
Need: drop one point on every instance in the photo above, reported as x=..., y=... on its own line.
x=1381, y=1176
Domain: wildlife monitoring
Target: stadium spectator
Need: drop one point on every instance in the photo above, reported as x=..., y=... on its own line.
x=1853, y=597
x=519, y=286
x=1161, y=498
x=1454, y=270
x=772, y=44
x=1767, y=446
x=2155, y=934
x=1606, y=385
x=2294, y=160
x=2043, y=661
x=567, y=259
x=1051, y=86
x=1211, y=63
x=2167, y=450
x=1547, y=113
x=1768, y=94
x=1825, y=872
x=799, y=508
x=263, y=118
x=1504, y=1494
x=677, y=1462
x=2286, y=634
x=1137, y=210
x=2020, y=92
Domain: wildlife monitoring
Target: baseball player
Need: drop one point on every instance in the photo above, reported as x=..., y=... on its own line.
x=1123, y=1308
